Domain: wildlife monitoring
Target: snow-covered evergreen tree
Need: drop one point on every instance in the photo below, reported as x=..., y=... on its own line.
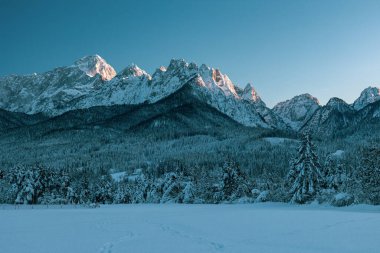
x=188, y=193
x=122, y=193
x=29, y=183
x=171, y=188
x=204, y=183
x=81, y=185
x=304, y=177
x=103, y=190
x=6, y=190
x=369, y=175
x=334, y=174
x=233, y=183
x=138, y=187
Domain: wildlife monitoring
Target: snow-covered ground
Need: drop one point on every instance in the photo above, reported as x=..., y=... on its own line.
x=276, y=140
x=261, y=228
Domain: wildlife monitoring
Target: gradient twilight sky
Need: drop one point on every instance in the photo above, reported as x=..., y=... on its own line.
x=285, y=48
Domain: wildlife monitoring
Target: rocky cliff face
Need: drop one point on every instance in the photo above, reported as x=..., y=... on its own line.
x=297, y=111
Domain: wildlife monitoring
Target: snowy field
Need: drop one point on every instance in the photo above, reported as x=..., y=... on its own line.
x=261, y=228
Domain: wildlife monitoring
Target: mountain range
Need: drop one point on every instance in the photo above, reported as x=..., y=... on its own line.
x=91, y=82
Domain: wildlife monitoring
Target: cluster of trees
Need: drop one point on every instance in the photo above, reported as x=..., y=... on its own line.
x=44, y=185
x=41, y=185
x=306, y=181
x=334, y=182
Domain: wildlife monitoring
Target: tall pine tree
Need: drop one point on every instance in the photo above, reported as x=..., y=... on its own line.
x=233, y=184
x=304, y=177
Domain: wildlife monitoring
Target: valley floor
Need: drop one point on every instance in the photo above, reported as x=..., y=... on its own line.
x=262, y=228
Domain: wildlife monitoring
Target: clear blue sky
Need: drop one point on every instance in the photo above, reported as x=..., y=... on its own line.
x=325, y=48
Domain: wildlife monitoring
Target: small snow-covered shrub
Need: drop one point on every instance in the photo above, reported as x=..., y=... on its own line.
x=342, y=199
x=243, y=200
x=93, y=205
x=263, y=196
x=188, y=193
x=255, y=193
x=326, y=196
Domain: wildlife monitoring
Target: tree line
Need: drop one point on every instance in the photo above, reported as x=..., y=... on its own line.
x=307, y=180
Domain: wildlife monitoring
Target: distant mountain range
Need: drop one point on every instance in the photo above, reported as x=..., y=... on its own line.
x=92, y=82
x=87, y=115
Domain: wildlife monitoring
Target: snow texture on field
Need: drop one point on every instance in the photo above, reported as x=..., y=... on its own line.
x=190, y=228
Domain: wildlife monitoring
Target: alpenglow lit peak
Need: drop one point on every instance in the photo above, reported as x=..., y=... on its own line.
x=368, y=96
x=249, y=93
x=132, y=70
x=94, y=64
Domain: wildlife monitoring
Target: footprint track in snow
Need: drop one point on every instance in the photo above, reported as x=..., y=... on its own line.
x=214, y=245
x=107, y=247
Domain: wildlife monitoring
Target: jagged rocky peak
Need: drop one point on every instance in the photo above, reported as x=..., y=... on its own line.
x=222, y=81
x=307, y=97
x=158, y=74
x=204, y=68
x=177, y=64
x=208, y=77
x=217, y=75
x=132, y=70
x=305, y=100
x=367, y=96
x=94, y=64
x=180, y=68
x=249, y=93
x=338, y=104
x=296, y=111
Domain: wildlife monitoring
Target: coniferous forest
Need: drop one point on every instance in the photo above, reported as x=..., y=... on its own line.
x=307, y=178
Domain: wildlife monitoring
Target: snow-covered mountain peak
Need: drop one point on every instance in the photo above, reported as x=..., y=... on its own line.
x=177, y=64
x=338, y=104
x=249, y=93
x=217, y=75
x=306, y=97
x=210, y=78
x=296, y=111
x=367, y=96
x=181, y=69
x=94, y=64
x=223, y=82
x=249, y=86
x=133, y=70
x=298, y=100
